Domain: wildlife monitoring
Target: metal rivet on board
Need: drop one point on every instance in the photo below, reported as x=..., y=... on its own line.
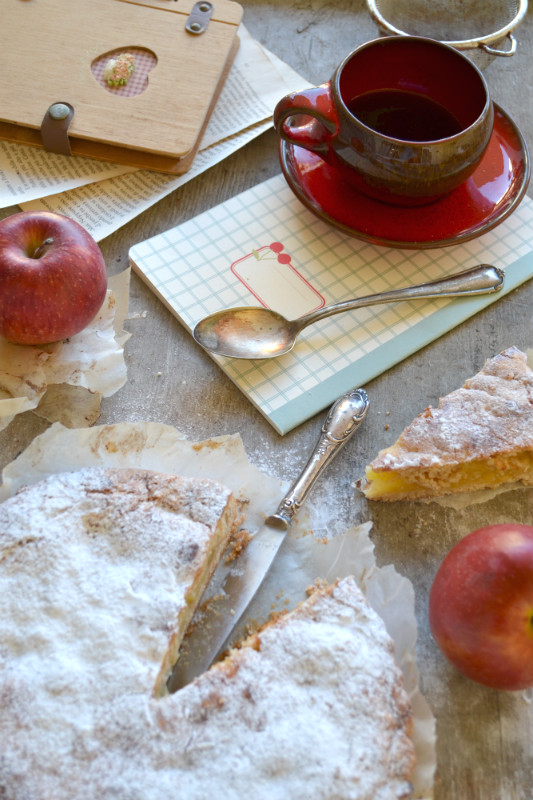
x=198, y=19
x=59, y=111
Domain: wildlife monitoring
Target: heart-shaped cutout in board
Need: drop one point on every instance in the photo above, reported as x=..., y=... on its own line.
x=124, y=72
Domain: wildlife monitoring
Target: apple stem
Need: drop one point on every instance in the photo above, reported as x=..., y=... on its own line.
x=39, y=251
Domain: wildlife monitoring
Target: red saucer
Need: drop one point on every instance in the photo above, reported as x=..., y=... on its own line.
x=482, y=202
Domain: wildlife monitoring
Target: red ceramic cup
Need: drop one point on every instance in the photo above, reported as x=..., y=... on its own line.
x=406, y=119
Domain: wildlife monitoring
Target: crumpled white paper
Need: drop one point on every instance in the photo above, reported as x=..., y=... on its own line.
x=302, y=559
x=87, y=366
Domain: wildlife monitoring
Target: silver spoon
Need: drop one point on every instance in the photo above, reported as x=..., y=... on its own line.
x=251, y=332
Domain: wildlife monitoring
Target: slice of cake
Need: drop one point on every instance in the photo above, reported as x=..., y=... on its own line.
x=479, y=437
x=95, y=568
x=105, y=567
x=313, y=706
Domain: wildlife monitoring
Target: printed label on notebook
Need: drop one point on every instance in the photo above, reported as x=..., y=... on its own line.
x=272, y=279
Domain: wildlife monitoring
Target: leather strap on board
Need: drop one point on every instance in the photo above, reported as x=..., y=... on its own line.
x=54, y=128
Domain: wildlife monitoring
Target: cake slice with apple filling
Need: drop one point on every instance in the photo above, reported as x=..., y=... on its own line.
x=479, y=437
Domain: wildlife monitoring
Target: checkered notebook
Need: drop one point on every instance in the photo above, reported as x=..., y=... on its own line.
x=263, y=247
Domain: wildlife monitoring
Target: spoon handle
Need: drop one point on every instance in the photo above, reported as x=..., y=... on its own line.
x=477, y=280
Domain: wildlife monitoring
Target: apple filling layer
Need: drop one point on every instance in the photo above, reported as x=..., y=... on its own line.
x=468, y=477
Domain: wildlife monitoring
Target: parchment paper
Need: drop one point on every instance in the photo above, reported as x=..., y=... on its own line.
x=80, y=370
x=303, y=559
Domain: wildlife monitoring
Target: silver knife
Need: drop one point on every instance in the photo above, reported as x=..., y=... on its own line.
x=211, y=631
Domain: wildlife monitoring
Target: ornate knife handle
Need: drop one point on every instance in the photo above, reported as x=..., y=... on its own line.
x=343, y=419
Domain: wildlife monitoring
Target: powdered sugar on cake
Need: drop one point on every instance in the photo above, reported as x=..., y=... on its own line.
x=95, y=571
x=314, y=707
x=491, y=414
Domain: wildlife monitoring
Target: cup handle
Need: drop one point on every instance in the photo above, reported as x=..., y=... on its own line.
x=308, y=119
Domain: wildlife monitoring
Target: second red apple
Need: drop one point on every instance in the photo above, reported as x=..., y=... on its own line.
x=481, y=606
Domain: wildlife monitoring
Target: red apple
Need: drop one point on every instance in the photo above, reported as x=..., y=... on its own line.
x=481, y=606
x=53, y=277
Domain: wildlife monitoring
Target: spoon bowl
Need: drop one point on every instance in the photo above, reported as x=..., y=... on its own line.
x=247, y=332
x=259, y=333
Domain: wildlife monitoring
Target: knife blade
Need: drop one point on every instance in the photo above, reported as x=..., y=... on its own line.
x=211, y=630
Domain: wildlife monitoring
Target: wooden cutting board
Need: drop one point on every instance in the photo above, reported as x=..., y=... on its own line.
x=55, y=51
